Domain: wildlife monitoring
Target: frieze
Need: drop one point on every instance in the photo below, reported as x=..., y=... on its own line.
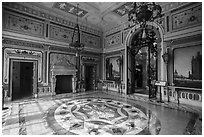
x=90, y=40
x=92, y=59
x=25, y=52
x=187, y=18
x=61, y=34
x=63, y=49
x=28, y=10
x=23, y=25
x=9, y=41
x=113, y=40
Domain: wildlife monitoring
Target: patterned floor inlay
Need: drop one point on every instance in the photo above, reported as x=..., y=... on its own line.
x=22, y=128
x=100, y=116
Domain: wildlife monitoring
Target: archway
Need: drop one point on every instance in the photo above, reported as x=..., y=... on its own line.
x=143, y=60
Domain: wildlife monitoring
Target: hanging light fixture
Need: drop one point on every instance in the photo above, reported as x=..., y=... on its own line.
x=143, y=12
x=77, y=45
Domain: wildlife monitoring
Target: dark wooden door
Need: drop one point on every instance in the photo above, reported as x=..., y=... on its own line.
x=22, y=79
x=90, y=75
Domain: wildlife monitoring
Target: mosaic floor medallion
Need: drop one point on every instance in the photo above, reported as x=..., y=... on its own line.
x=101, y=117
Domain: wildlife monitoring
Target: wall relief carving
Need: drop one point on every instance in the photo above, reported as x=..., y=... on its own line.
x=57, y=59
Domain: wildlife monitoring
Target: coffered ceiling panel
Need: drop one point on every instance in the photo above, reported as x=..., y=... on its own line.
x=69, y=8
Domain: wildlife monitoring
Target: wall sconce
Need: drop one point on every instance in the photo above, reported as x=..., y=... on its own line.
x=165, y=57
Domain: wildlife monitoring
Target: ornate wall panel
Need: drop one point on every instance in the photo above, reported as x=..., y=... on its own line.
x=187, y=18
x=61, y=34
x=90, y=40
x=113, y=40
x=23, y=25
x=57, y=59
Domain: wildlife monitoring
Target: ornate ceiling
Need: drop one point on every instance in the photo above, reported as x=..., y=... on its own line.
x=102, y=15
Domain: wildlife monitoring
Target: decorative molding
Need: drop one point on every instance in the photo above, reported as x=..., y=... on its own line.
x=14, y=53
x=27, y=10
x=187, y=18
x=92, y=59
x=21, y=43
x=125, y=33
x=25, y=52
x=23, y=25
x=62, y=49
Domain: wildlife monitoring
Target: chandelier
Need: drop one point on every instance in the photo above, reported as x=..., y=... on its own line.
x=143, y=12
x=77, y=45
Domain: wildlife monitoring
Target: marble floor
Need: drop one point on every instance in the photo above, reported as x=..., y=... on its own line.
x=95, y=113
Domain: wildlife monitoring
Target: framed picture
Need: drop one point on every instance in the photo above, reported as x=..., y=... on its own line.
x=188, y=67
x=113, y=68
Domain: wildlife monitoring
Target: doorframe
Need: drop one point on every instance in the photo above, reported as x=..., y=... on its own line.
x=35, y=75
x=95, y=67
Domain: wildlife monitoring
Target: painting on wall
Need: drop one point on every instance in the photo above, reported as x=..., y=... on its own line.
x=188, y=67
x=113, y=68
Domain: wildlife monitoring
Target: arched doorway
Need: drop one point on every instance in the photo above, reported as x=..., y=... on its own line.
x=142, y=60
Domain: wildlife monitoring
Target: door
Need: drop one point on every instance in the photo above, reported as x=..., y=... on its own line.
x=21, y=79
x=90, y=77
